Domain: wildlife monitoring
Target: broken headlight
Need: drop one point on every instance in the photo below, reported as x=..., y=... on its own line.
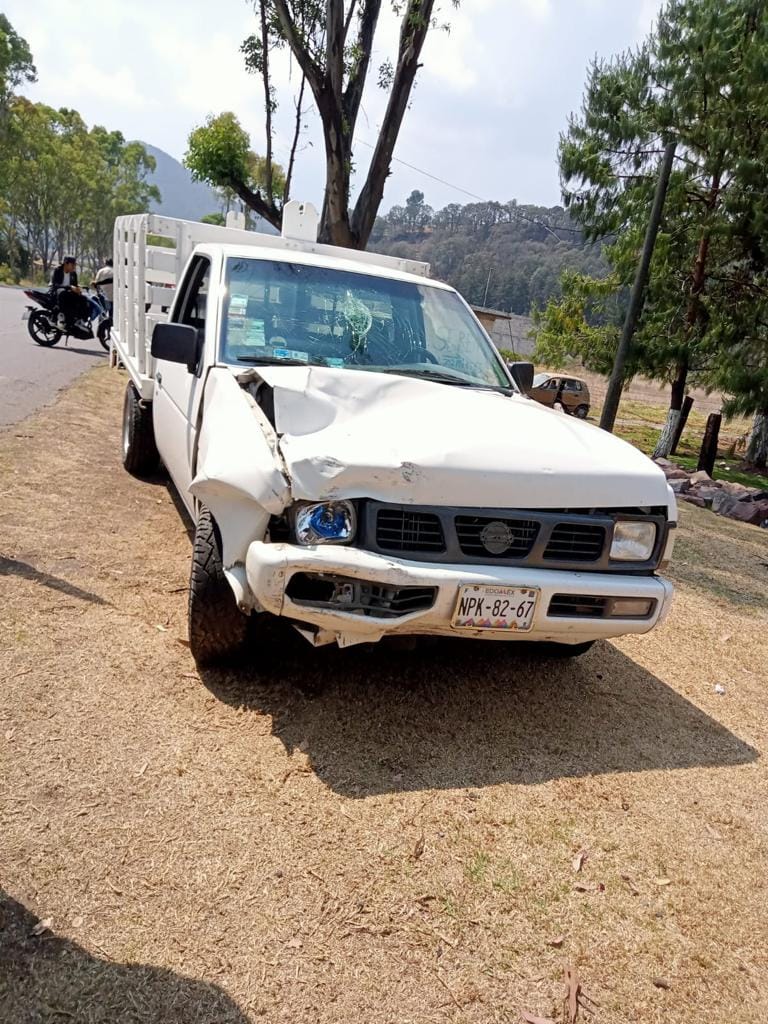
x=633, y=541
x=327, y=522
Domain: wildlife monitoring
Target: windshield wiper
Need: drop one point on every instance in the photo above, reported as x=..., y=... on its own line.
x=443, y=377
x=273, y=361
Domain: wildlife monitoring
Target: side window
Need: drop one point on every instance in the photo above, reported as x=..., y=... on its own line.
x=554, y=384
x=192, y=308
x=573, y=385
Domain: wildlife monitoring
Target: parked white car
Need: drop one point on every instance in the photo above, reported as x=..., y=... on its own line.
x=358, y=459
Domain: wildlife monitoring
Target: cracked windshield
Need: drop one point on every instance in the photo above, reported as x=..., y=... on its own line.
x=279, y=312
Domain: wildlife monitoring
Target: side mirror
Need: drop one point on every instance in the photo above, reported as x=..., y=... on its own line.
x=522, y=375
x=177, y=343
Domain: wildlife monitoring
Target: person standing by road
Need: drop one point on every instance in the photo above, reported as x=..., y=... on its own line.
x=73, y=305
x=105, y=280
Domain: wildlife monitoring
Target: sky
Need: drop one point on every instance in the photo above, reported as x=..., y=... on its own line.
x=490, y=101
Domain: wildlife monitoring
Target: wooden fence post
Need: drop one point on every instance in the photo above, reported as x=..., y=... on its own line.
x=708, y=454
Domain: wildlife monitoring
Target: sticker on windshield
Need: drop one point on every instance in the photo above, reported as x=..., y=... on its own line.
x=289, y=353
x=238, y=305
x=336, y=364
x=254, y=333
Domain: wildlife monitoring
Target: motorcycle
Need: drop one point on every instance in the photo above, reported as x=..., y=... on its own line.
x=42, y=323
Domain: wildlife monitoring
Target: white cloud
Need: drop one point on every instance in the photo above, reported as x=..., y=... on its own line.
x=490, y=99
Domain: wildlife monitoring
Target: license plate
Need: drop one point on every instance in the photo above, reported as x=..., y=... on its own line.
x=502, y=608
x=25, y=315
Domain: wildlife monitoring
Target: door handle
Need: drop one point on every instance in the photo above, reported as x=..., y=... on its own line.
x=159, y=379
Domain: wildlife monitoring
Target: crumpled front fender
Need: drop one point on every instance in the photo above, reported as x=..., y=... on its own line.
x=239, y=473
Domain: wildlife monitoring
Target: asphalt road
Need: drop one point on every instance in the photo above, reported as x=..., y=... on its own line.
x=31, y=376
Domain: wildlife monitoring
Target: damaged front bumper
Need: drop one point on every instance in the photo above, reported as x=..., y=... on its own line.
x=350, y=596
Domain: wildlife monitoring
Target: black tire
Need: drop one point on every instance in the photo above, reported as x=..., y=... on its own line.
x=218, y=630
x=102, y=333
x=42, y=330
x=560, y=651
x=140, y=455
x=581, y=412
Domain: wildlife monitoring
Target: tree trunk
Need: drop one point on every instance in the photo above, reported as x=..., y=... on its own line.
x=757, y=449
x=334, y=223
x=669, y=431
x=684, y=414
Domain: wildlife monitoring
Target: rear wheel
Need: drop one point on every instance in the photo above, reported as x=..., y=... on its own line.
x=581, y=411
x=42, y=329
x=140, y=455
x=218, y=630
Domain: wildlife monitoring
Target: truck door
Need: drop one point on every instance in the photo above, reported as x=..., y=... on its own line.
x=177, y=391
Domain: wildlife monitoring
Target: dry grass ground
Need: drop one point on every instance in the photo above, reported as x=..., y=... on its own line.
x=353, y=836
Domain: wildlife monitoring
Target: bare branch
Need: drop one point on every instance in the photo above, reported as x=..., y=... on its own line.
x=350, y=15
x=416, y=23
x=353, y=94
x=264, y=207
x=296, y=133
x=267, y=97
x=334, y=45
x=298, y=47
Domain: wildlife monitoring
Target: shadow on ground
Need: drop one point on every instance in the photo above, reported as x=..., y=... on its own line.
x=46, y=978
x=458, y=714
x=100, y=352
x=13, y=567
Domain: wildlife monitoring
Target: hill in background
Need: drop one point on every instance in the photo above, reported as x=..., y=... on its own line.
x=181, y=196
x=500, y=255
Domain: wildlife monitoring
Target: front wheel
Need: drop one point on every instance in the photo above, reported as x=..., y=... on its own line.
x=42, y=329
x=218, y=630
x=140, y=454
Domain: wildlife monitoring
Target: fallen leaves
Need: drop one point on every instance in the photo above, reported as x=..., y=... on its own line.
x=578, y=860
x=575, y=997
x=45, y=925
x=662, y=881
x=662, y=983
x=630, y=885
x=418, y=849
x=556, y=943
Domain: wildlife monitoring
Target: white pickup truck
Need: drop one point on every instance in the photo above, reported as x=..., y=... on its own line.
x=358, y=459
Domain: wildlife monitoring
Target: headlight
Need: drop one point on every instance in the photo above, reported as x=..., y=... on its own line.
x=633, y=542
x=327, y=522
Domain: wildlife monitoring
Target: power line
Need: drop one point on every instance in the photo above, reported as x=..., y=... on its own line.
x=480, y=199
x=434, y=177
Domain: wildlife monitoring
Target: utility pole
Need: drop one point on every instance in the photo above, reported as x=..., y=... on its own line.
x=487, y=284
x=637, y=296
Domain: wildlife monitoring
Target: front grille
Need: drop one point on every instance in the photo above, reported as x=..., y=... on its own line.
x=520, y=536
x=406, y=530
x=557, y=538
x=576, y=542
x=578, y=606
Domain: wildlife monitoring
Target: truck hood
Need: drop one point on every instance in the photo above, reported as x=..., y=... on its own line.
x=354, y=434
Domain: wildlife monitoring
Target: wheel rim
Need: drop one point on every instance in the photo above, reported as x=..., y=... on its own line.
x=42, y=330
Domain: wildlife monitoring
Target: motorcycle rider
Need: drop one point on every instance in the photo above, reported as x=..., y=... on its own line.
x=73, y=305
x=105, y=280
